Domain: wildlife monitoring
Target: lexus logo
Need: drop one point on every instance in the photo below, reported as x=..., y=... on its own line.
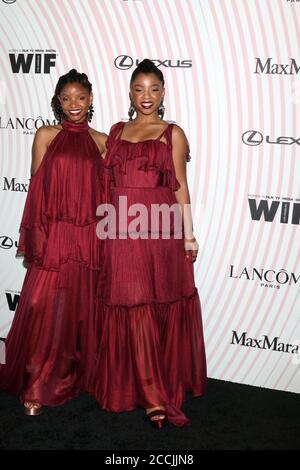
x=255, y=138
x=252, y=138
x=123, y=62
x=6, y=242
x=8, y=1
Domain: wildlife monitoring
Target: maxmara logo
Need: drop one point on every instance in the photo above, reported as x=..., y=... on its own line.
x=269, y=67
x=263, y=343
x=125, y=62
x=288, y=210
x=268, y=277
x=13, y=185
x=32, y=60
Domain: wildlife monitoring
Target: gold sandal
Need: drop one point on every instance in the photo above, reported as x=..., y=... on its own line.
x=32, y=408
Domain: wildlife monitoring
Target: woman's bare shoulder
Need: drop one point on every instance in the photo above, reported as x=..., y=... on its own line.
x=178, y=133
x=45, y=134
x=100, y=139
x=98, y=134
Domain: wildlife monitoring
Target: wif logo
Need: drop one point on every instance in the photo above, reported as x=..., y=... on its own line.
x=12, y=301
x=289, y=212
x=36, y=61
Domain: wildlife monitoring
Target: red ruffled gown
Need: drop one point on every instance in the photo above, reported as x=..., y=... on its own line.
x=149, y=317
x=50, y=346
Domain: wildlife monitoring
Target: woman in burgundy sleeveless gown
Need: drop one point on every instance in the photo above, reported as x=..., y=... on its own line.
x=50, y=346
x=149, y=316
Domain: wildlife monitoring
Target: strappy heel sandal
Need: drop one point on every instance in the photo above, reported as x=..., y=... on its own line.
x=32, y=408
x=159, y=422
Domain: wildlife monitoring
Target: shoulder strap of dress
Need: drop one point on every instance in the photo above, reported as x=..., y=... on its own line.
x=114, y=132
x=117, y=128
x=165, y=131
x=168, y=133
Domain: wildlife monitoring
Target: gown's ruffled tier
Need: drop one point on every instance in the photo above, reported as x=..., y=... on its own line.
x=148, y=313
x=50, y=347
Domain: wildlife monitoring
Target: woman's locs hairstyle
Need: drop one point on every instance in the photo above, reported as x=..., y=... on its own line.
x=71, y=77
x=147, y=66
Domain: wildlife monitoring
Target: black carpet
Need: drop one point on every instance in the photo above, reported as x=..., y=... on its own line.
x=229, y=417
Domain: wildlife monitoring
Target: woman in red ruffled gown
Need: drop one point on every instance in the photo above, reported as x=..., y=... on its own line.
x=151, y=350
x=50, y=346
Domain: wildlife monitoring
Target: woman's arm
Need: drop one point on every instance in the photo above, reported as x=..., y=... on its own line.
x=42, y=138
x=180, y=152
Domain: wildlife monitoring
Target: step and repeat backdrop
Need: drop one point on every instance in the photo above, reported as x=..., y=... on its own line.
x=232, y=72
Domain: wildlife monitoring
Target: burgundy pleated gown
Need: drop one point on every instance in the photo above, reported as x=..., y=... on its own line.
x=151, y=348
x=51, y=344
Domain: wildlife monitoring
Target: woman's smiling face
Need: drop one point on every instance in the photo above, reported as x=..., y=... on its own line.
x=75, y=101
x=146, y=93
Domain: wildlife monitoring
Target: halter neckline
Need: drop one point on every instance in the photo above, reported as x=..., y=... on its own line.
x=75, y=126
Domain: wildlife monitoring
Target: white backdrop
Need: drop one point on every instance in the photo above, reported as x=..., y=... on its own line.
x=232, y=82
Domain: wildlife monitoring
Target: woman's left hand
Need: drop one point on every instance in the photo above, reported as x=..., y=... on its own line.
x=191, y=248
